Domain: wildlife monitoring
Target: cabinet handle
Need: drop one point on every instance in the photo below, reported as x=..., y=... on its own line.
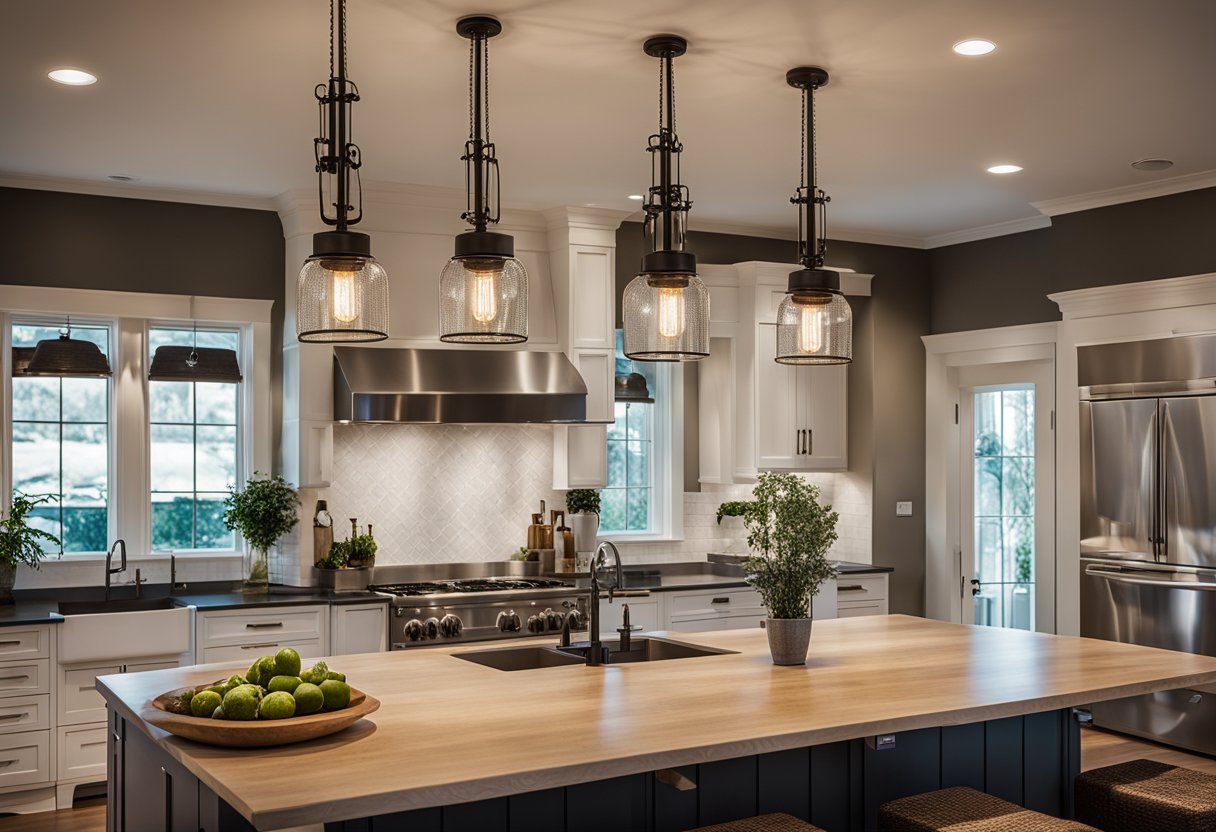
x=266, y=626
x=7, y=643
x=94, y=742
x=168, y=799
x=14, y=716
x=14, y=678
x=720, y=601
x=257, y=646
x=810, y=441
x=852, y=588
x=6, y=763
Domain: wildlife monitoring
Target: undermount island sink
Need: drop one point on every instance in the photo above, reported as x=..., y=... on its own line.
x=114, y=605
x=641, y=649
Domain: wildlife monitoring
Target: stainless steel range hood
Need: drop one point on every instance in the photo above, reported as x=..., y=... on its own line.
x=457, y=386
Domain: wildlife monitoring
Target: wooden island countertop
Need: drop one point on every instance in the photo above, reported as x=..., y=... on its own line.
x=450, y=731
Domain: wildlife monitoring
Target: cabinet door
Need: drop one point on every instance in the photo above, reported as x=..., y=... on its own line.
x=776, y=412
x=822, y=416
x=358, y=628
x=643, y=612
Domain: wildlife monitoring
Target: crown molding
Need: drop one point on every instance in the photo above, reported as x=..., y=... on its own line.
x=847, y=235
x=1167, y=293
x=130, y=190
x=1127, y=193
x=985, y=232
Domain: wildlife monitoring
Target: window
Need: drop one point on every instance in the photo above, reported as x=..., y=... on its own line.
x=61, y=444
x=194, y=431
x=628, y=501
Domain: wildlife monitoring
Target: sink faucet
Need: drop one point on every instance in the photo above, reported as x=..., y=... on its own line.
x=598, y=562
x=121, y=546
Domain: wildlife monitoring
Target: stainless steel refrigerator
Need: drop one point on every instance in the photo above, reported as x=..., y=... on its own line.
x=1148, y=519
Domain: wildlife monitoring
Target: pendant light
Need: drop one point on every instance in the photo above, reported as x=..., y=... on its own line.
x=66, y=356
x=483, y=291
x=814, y=321
x=342, y=292
x=194, y=363
x=665, y=309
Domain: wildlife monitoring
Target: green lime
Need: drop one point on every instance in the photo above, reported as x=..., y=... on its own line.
x=337, y=694
x=218, y=713
x=335, y=675
x=241, y=703
x=287, y=662
x=278, y=705
x=284, y=683
x=254, y=672
x=204, y=703
x=316, y=674
x=309, y=699
x=266, y=671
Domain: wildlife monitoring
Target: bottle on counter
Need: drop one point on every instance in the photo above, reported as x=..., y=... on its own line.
x=322, y=532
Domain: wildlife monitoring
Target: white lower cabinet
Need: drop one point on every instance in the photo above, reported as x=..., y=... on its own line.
x=358, y=628
x=723, y=609
x=27, y=776
x=309, y=649
x=25, y=758
x=82, y=753
x=237, y=635
x=646, y=612
x=861, y=595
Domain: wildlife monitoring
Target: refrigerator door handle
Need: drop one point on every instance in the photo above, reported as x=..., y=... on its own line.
x=1125, y=577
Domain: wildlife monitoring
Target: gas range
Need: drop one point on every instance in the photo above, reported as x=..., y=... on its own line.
x=459, y=603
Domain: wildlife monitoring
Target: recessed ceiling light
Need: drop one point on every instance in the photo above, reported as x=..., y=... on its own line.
x=1153, y=164
x=122, y=177
x=1004, y=168
x=636, y=196
x=72, y=77
x=974, y=46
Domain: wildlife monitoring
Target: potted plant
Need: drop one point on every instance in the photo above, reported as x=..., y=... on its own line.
x=20, y=542
x=263, y=511
x=789, y=533
x=583, y=515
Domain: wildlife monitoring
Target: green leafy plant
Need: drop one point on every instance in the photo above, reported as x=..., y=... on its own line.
x=583, y=500
x=522, y=554
x=19, y=541
x=789, y=533
x=362, y=550
x=263, y=511
x=734, y=508
x=337, y=557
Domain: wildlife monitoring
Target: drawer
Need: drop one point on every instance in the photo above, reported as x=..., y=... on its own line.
x=25, y=678
x=726, y=602
x=729, y=622
x=859, y=608
x=245, y=627
x=310, y=649
x=82, y=753
x=79, y=701
x=25, y=758
x=25, y=713
x=24, y=644
x=861, y=588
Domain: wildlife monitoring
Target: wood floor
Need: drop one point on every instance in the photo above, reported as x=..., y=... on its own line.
x=1098, y=748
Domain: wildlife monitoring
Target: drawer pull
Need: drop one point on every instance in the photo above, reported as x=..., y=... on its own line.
x=852, y=588
x=720, y=601
x=14, y=678
x=7, y=643
x=258, y=646
x=6, y=763
x=15, y=716
x=94, y=742
x=267, y=626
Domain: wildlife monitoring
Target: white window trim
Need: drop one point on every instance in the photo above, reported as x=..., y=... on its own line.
x=130, y=314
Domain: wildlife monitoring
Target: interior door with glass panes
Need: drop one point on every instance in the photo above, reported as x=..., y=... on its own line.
x=1007, y=495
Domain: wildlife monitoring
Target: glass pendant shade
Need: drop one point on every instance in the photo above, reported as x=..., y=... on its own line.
x=68, y=356
x=814, y=328
x=666, y=318
x=341, y=299
x=483, y=300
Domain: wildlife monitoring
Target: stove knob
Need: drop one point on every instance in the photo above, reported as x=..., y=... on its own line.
x=450, y=626
x=553, y=620
x=536, y=624
x=431, y=627
x=508, y=622
x=413, y=630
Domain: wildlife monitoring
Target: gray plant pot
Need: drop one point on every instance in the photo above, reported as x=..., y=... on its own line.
x=789, y=639
x=586, y=526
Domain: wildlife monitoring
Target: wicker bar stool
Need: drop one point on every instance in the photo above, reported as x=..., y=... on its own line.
x=1144, y=794
x=777, y=822
x=960, y=809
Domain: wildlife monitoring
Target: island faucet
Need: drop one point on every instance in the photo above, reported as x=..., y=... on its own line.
x=595, y=651
x=121, y=546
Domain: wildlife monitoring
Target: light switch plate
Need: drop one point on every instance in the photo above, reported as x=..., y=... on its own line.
x=903, y=509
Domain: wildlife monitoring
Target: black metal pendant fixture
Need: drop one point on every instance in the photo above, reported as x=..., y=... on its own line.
x=194, y=363
x=814, y=321
x=665, y=309
x=483, y=291
x=342, y=292
x=66, y=356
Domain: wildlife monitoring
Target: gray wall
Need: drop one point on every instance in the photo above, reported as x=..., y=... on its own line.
x=78, y=241
x=886, y=384
x=1005, y=281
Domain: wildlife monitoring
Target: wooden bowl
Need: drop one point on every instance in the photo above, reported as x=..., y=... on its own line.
x=257, y=733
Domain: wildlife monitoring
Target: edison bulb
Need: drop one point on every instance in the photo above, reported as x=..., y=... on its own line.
x=345, y=296
x=810, y=327
x=671, y=312
x=484, y=296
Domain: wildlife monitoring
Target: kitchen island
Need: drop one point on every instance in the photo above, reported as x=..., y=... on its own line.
x=886, y=706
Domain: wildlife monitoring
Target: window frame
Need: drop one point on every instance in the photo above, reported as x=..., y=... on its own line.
x=130, y=315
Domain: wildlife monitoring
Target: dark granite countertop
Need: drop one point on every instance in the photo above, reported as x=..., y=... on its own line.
x=843, y=567
x=36, y=611
x=237, y=600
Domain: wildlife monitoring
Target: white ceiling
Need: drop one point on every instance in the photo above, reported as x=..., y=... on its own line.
x=216, y=96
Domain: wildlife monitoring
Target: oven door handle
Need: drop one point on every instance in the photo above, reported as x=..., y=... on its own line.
x=1125, y=578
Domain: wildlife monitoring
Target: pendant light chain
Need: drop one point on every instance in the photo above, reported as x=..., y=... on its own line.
x=485, y=84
